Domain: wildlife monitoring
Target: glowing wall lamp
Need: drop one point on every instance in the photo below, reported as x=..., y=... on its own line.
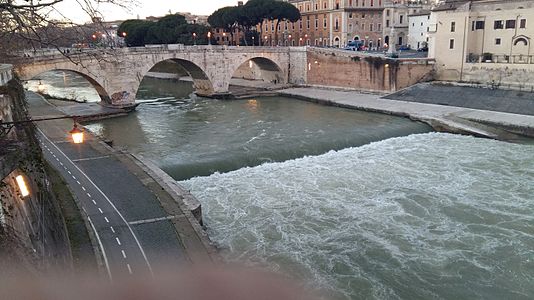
x=22, y=186
x=77, y=134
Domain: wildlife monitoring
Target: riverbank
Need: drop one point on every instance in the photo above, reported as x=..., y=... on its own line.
x=138, y=191
x=482, y=123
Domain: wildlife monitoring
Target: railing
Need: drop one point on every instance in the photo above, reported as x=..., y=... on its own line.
x=500, y=59
x=6, y=74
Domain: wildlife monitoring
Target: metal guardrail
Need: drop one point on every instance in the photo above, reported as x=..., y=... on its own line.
x=6, y=73
x=500, y=59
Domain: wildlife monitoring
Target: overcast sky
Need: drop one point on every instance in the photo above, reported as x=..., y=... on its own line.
x=70, y=9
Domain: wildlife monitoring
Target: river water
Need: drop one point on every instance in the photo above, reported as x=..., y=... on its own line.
x=395, y=213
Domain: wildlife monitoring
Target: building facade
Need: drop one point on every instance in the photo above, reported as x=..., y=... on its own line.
x=418, y=28
x=395, y=19
x=328, y=23
x=484, y=40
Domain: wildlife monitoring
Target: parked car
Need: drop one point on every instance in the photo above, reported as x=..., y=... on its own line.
x=423, y=49
x=404, y=47
x=354, y=46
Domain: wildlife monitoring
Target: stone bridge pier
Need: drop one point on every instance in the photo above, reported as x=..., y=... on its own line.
x=117, y=74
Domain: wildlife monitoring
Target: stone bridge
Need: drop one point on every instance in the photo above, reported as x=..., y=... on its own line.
x=116, y=74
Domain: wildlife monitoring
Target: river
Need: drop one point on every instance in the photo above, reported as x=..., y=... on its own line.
x=366, y=206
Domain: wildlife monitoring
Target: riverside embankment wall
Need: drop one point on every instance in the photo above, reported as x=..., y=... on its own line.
x=33, y=235
x=351, y=70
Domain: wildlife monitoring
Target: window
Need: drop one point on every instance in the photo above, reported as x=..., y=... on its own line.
x=510, y=24
x=479, y=25
x=350, y=2
x=372, y=3
x=451, y=44
x=523, y=23
x=379, y=27
x=363, y=16
x=300, y=25
x=413, y=24
x=337, y=24
x=387, y=23
x=498, y=24
x=497, y=41
x=316, y=23
x=387, y=12
x=350, y=15
x=401, y=18
x=371, y=27
x=324, y=5
x=473, y=26
x=324, y=21
x=363, y=26
x=453, y=26
x=316, y=6
x=308, y=22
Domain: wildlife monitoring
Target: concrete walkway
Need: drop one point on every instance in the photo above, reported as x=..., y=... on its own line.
x=484, y=123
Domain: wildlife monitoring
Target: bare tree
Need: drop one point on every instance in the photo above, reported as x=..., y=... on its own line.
x=34, y=24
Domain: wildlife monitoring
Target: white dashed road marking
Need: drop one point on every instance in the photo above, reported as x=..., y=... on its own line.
x=118, y=241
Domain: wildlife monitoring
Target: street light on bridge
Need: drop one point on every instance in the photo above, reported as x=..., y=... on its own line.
x=209, y=37
x=194, y=38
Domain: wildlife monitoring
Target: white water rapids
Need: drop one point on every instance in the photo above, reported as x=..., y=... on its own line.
x=417, y=217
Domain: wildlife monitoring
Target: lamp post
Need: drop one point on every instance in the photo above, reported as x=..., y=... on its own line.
x=77, y=134
x=194, y=38
x=289, y=39
x=300, y=41
x=209, y=38
x=252, y=41
x=265, y=43
x=224, y=38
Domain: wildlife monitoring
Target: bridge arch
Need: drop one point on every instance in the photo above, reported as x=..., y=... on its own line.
x=98, y=86
x=201, y=82
x=258, y=68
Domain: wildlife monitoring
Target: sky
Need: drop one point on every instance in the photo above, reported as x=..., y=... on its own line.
x=70, y=9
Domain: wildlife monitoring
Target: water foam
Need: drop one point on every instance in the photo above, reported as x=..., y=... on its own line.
x=422, y=216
